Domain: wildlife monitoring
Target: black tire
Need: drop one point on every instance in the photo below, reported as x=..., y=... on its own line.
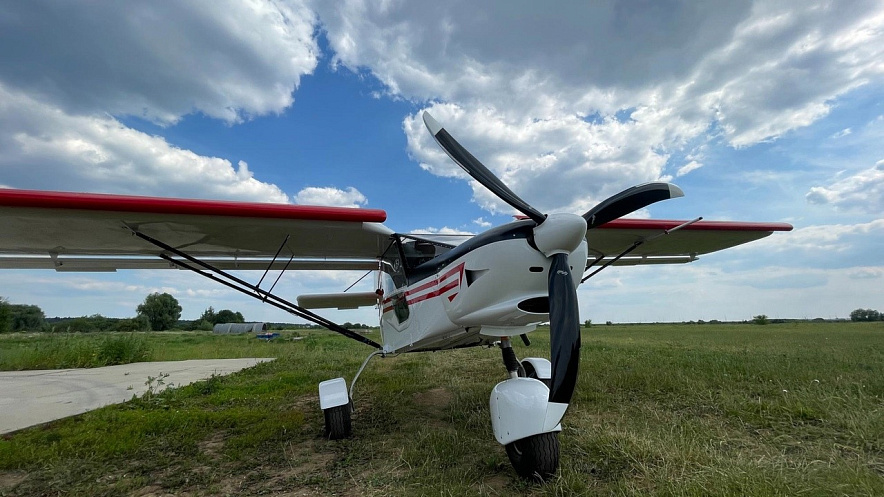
x=530, y=372
x=337, y=422
x=535, y=457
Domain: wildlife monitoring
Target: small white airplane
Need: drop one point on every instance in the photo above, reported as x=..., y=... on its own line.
x=432, y=292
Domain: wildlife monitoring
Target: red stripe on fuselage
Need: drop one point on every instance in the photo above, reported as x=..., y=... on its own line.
x=435, y=282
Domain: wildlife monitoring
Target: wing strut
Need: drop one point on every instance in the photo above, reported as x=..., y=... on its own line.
x=636, y=245
x=247, y=288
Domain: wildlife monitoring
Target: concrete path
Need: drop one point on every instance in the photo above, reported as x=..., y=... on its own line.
x=29, y=398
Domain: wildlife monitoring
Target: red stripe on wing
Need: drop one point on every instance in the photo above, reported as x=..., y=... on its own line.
x=668, y=224
x=156, y=205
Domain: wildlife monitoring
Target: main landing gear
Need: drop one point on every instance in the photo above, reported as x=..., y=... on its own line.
x=518, y=411
x=337, y=403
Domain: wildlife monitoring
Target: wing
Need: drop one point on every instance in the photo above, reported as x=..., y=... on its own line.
x=94, y=232
x=657, y=244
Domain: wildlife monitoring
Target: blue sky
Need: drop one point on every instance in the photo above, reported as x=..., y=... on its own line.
x=759, y=111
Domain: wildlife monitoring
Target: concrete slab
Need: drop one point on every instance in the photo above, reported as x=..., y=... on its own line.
x=30, y=398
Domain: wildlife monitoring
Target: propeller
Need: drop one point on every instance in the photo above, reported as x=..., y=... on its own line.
x=630, y=200
x=556, y=236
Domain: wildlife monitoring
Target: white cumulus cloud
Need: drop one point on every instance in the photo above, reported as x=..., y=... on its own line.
x=70, y=72
x=313, y=195
x=862, y=191
x=571, y=104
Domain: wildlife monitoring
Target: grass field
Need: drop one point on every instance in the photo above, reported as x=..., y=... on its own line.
x=784, y=409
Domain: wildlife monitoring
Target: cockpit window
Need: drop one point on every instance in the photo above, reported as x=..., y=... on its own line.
x=418, y=250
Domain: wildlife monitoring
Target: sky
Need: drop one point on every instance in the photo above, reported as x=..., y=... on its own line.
x=758, y=110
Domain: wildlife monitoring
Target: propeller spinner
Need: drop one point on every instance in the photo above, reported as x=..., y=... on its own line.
x=556, y=236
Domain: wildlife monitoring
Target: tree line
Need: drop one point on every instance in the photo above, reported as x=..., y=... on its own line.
x=158, y=312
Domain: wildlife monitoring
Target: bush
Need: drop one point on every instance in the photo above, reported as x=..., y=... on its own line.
x=138, y=323
x=122, y=350
x=760, y=319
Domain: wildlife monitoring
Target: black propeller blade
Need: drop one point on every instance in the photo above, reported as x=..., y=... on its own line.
x=477, y=170
x=565, y=321
x=628, y=201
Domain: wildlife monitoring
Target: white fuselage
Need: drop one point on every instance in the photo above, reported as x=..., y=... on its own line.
x=496, y=289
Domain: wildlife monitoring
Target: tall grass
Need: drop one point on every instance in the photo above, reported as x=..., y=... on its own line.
x=62, y=351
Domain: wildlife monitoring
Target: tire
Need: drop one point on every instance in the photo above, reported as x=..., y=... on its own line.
x=337, y=422
x=535, y=457
x=530, y=372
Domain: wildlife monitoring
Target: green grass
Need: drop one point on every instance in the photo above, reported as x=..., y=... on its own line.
x=782, y=409
x=60, y=351
x=22, y=351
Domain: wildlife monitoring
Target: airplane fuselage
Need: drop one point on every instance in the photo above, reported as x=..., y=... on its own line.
x=494, y=284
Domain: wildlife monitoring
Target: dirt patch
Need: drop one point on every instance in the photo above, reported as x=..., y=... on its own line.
x=152, y=491
x=212, y=446
x=437, y=398
x=496, y=485
x=10, y=479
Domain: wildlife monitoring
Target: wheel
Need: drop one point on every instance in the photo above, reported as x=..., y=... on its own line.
x=530, y=372
x=337, y=422
x=535, y=457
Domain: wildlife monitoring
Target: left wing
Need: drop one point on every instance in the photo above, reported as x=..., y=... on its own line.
x=94, y=232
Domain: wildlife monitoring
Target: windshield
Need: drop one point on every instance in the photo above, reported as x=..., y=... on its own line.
x=417, y=251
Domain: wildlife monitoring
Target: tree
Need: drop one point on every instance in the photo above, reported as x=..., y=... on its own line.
x=5, y=316
x=760, y=319
x=27, y=318
x=865, y=315
x=208, y=315
x=161, y=310
x=228, y=316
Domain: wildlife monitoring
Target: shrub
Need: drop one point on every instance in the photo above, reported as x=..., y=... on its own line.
x=122, y=349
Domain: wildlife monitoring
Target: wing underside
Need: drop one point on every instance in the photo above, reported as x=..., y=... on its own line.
x=654, y=241
x=90, y=232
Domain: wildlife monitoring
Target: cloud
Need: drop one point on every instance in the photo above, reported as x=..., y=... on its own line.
x=312, y=195
x=445, y=230
x=841, y=134
x=572, y=104
x=866, y=273
x=862, y=191
x=68, y=72
x=823, y=239
x=229, y=60
x=98, y=153
x=690, y=166
x=561, y=163
x=706, y=290
x=481, y=222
